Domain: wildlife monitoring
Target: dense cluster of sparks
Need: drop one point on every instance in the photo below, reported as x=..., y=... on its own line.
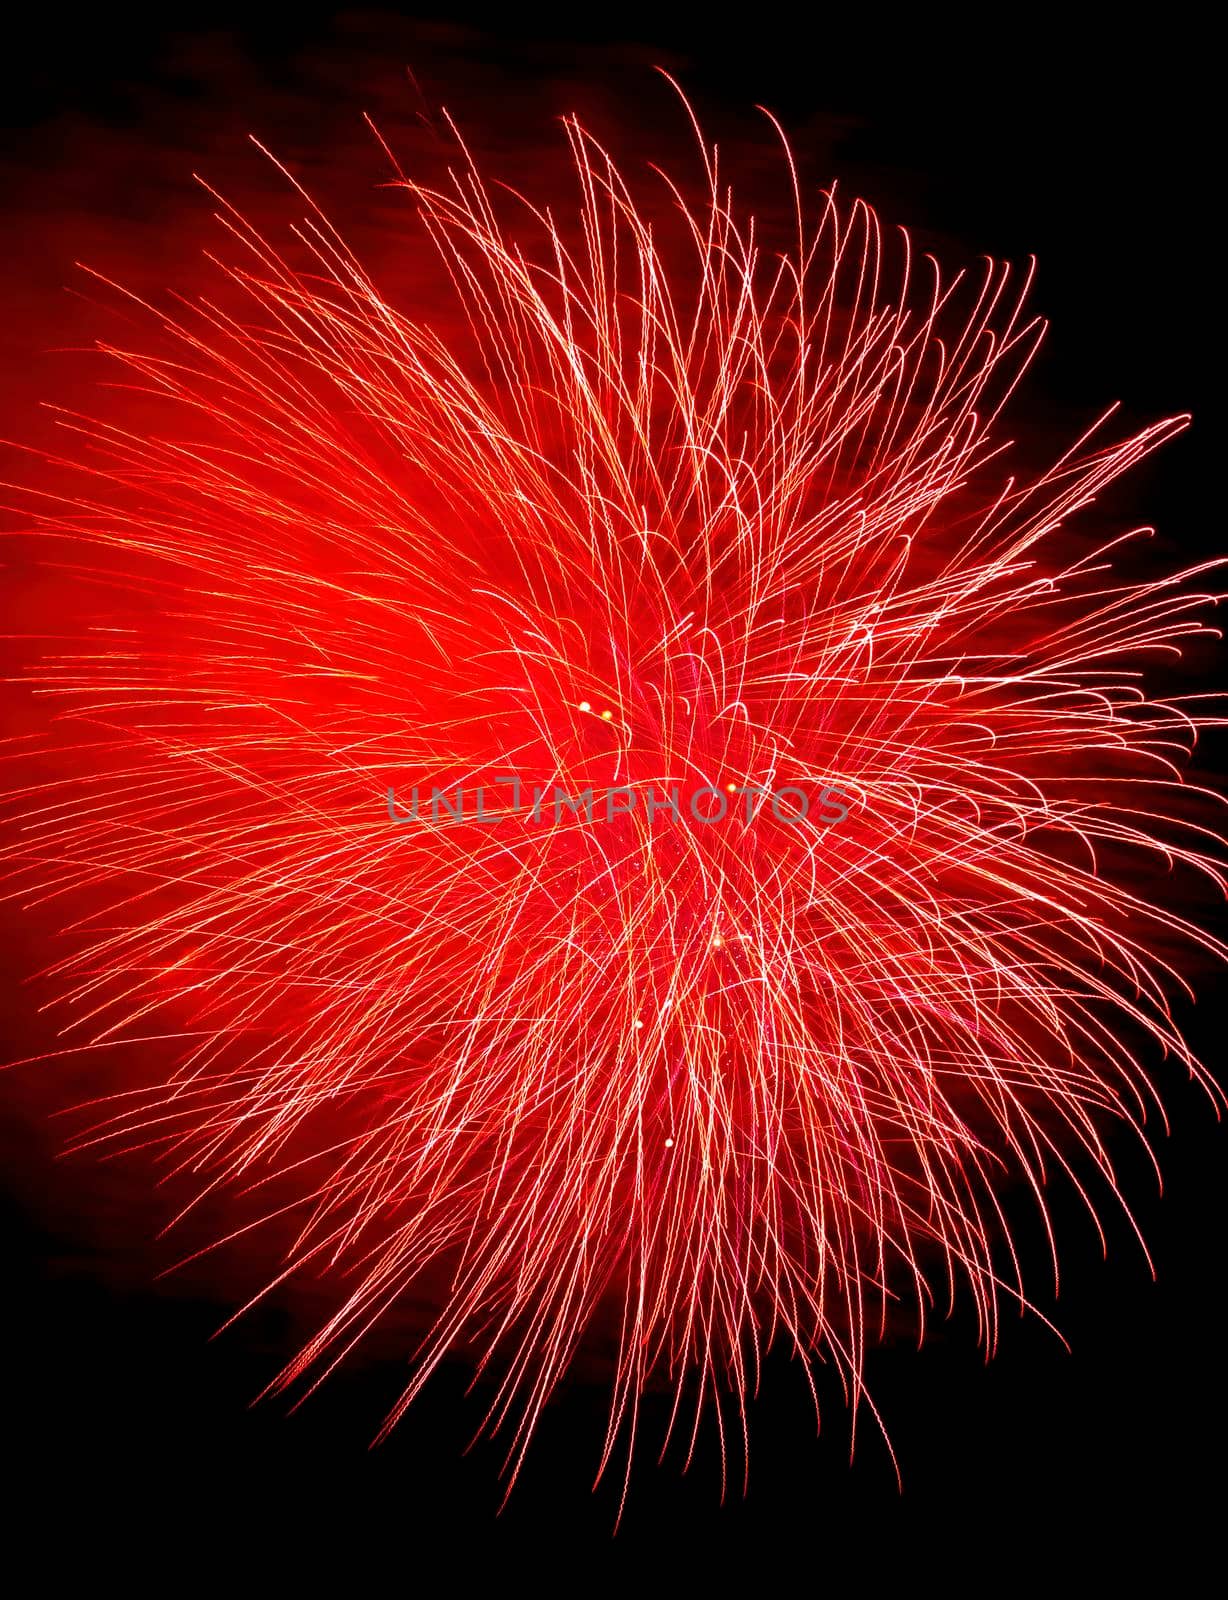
x=666, y=506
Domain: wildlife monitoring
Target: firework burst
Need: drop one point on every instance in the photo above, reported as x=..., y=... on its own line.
x=617, y=805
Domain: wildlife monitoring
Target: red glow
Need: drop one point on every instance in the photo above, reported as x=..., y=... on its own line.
x=662, y=505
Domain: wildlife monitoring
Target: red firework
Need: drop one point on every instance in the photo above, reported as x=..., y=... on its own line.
x=804, y=914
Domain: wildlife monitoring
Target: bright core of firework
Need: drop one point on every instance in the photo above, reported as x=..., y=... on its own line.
x=664, y=505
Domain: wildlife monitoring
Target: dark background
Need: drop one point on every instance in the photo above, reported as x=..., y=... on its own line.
x=129, y=1438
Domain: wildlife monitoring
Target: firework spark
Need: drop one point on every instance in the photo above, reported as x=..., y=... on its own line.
x=667, y=509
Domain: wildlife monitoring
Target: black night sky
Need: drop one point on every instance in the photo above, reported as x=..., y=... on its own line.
x=133, y=1451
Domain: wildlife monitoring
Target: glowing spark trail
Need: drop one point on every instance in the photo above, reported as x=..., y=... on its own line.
x=667, y=508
